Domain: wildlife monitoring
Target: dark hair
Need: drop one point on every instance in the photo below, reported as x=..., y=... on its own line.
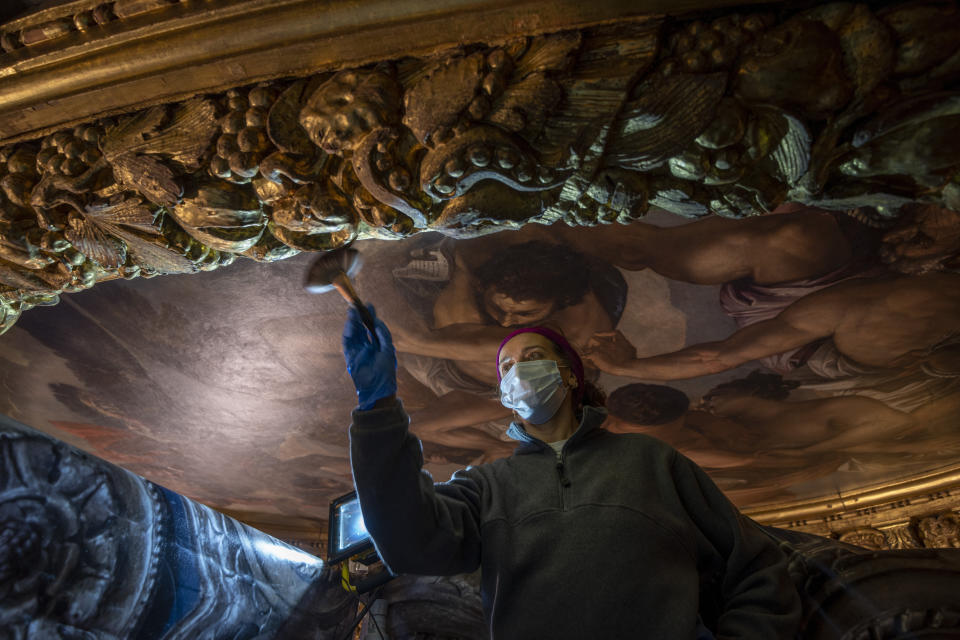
x=536, y=270
x=648, y=404
x=769, y=386
x=592, y=395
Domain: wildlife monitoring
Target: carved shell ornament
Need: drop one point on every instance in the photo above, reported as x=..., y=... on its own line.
x=839, y=106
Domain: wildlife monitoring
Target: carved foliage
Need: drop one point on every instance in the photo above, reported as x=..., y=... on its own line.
x=837, y=106
x=938, y=530
x=902, y=536
x=941, y=530
x=134, y=148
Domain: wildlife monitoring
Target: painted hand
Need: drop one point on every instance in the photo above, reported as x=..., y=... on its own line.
x=373, y=367
x=610, y=351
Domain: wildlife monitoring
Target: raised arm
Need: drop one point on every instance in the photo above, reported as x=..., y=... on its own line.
x=464, y=341
x=417, y=527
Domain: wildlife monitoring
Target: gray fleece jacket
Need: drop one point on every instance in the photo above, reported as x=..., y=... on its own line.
x=622, y=537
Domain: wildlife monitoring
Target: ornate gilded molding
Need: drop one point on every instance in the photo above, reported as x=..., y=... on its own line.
x=70, y=63
x=922, y=511
x=839, y=106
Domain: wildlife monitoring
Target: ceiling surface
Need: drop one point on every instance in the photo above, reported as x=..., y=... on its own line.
x=229, y=386
x=798, y=355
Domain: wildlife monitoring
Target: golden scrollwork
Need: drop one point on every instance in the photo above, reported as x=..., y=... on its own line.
x=866, y=537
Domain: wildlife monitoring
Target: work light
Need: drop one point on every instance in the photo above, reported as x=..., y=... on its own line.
x=347, y=534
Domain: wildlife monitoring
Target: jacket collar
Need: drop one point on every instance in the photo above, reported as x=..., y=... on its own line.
x=590, y=421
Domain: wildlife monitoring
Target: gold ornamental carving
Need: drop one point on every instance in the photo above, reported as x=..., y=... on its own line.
x=65, y=62
x=940, y=530
x=867, y=537
x=902, y=536
x=916, y=512
x=839, y=106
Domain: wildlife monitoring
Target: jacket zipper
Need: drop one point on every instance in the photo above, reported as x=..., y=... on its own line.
x=564, y=481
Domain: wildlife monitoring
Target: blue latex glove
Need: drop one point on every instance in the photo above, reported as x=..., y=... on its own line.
x=373, y=367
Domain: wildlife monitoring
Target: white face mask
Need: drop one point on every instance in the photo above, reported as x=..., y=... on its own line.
x=534, y=389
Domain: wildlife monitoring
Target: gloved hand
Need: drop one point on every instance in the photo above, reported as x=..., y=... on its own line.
x=372, y=367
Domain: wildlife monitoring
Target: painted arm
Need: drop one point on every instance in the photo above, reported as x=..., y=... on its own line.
x=750, y=343
x=465, y=341
x=477, y=342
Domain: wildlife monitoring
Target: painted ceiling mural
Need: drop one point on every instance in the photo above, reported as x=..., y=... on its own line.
x=792, y=355
x=657, y=187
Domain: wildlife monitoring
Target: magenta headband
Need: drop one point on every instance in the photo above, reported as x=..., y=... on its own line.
x=576, y=364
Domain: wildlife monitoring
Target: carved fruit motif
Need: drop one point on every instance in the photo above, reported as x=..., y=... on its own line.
x=243, y=141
